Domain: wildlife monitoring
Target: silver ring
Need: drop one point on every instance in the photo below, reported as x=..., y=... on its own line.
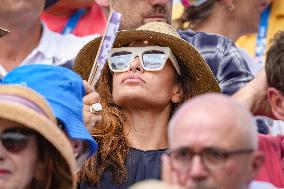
x=96, y=108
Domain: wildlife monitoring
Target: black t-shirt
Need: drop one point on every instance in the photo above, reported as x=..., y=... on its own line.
x=140, y=165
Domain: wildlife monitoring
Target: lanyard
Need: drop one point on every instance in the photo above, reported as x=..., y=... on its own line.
x=73, y=20
x=261, y=40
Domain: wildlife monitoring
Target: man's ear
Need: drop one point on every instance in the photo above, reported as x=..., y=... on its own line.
x=276, y=101
x=103, y=3
x=178, y=94
x=258, y=162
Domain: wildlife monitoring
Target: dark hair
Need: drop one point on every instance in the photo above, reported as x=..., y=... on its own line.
x=52, y=170
x=110, y=136
x=275, y=63
x=195, y=15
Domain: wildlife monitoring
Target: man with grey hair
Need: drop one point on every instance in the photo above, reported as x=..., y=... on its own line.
x=213, y=146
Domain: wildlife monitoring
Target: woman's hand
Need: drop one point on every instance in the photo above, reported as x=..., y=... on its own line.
x=91, y=98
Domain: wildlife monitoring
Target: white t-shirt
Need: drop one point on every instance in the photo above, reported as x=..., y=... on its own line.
x=261, y=185
x=54, y=49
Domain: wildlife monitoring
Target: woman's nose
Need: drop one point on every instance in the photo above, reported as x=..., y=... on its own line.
x=136, y=65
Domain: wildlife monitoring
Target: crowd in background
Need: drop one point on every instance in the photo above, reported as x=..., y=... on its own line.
x=191, y=95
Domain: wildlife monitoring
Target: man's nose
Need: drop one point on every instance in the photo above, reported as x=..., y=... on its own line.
x=136, y=65
x=197, y=170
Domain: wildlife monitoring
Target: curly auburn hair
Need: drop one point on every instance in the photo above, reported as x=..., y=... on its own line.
x=275, y=63
x=113, y=149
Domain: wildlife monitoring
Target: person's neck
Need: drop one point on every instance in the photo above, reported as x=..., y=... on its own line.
x=19, y=43
x=217, y=24
x=147, y=130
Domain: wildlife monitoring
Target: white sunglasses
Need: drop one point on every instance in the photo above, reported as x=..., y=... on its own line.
x=152, y=58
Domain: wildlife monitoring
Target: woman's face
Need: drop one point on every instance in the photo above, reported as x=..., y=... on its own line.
x=18, y=159
x=137, y=87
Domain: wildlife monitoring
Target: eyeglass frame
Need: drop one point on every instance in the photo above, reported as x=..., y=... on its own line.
x=137, y=51
x=26, y=136
x=225, y=153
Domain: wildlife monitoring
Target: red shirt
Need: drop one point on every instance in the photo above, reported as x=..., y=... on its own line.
x=273, y=169
x=92, y=22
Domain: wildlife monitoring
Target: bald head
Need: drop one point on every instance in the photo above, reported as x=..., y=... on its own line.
x=209, y=126
x=215, y=113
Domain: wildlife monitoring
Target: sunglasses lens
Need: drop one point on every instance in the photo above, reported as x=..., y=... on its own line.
x=14, y=141
x=153, y=60
x=120, y=60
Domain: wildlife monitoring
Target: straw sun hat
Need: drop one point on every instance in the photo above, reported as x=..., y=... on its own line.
x=202, y=79
x=24, y=106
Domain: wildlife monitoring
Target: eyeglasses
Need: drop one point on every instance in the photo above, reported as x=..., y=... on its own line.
x=152, y=58
x=15, y=140
x=211, y=158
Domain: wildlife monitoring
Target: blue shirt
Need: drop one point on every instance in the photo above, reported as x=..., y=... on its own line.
x=223, y=57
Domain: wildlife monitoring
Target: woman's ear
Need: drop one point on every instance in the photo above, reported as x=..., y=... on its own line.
x=276, y=101
x=178, y=95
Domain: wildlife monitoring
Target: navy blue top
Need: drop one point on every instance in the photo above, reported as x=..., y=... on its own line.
x=140, y=165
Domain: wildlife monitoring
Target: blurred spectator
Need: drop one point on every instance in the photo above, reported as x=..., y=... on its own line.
x=223, y=155
x=64, y=91
x=211, y=16
x=30, y=41
x=153, y=184
x=79, y=17
x=272, y=22
x=34, y=153
x=264, y=96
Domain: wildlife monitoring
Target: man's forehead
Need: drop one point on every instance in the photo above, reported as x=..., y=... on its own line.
x=204, y=127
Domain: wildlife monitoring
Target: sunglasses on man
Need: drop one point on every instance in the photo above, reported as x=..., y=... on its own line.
x=152, y=58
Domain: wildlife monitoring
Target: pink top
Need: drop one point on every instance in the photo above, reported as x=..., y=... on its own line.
x=273, y=169
x=93, y=22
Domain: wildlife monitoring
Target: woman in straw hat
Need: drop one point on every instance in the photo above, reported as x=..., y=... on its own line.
x=150, y=72
x=34, y=153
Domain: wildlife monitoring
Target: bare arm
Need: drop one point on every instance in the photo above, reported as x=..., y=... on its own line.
x=254, y=95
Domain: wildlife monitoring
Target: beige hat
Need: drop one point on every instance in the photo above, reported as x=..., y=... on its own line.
x=202, y=79
x=3, y=32
x=25, y=106
x=153, y=184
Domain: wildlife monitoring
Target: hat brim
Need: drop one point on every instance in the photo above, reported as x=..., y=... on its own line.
x=31, y=119
x=202, y=79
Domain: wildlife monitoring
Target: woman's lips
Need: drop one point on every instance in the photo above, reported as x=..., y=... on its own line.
x=132, y=78
x=4, y=172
